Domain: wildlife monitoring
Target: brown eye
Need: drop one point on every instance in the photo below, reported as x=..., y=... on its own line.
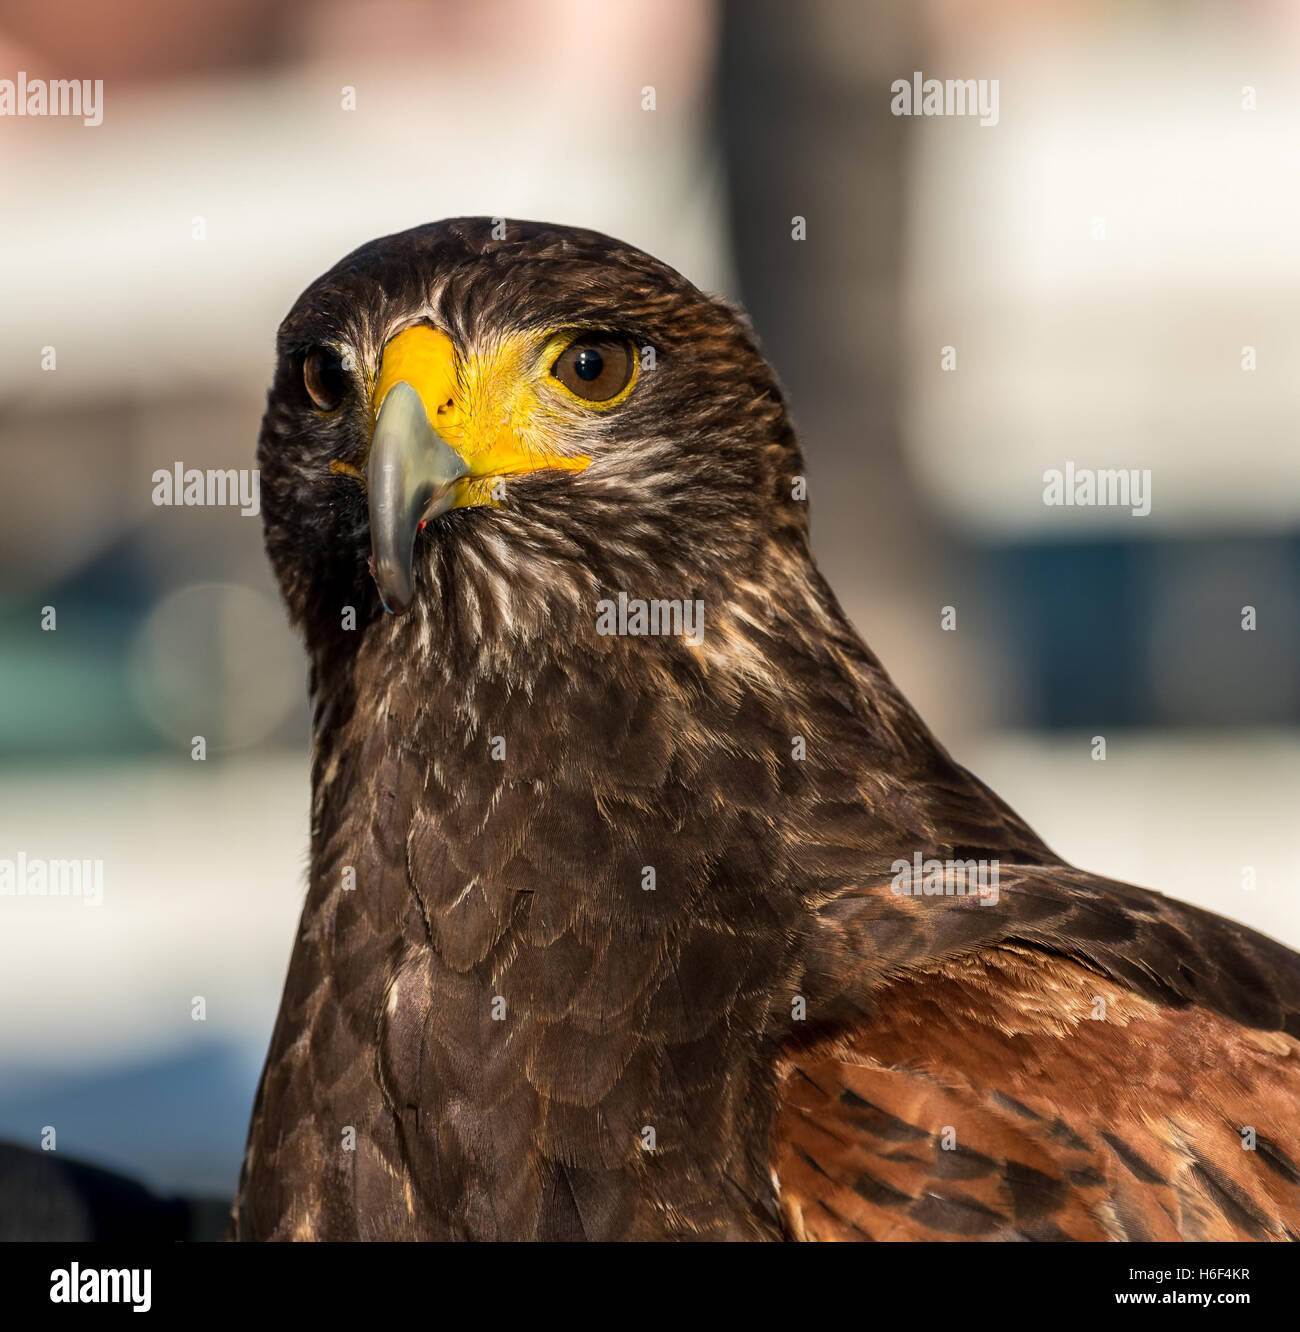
x=325, y=378
x=595, y=368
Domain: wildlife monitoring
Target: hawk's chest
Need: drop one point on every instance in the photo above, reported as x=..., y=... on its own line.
x=544, y=1050
x=562, y=954
x=547, y=1059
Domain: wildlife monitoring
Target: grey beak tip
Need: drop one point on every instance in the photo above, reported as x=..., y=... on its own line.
x=410, y=475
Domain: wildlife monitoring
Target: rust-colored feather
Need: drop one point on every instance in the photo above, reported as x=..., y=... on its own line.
x=1012, y=1095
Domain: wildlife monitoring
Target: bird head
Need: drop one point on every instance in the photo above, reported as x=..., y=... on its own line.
x=536, y=407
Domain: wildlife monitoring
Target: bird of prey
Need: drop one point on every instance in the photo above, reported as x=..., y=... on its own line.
x=611, y=929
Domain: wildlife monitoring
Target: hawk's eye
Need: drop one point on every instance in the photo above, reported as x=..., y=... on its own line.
x=325, y=377
x=596, y=368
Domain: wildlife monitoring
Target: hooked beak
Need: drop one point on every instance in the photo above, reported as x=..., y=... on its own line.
x=410, y=477
x=430, y=451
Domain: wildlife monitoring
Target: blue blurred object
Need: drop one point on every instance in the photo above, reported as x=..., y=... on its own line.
x=1111, y=633
x=176, y=1123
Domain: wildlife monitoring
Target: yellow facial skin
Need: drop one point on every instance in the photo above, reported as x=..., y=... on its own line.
x=499, y=408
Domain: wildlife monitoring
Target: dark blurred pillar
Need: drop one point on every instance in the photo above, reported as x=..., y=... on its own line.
x=803, y=103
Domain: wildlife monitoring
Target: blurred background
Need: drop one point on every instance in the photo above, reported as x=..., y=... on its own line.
x=1091, y=270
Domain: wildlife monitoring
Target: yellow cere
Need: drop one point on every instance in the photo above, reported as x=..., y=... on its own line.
x=488, y=406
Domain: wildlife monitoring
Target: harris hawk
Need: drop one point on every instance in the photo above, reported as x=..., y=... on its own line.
x=605, y=935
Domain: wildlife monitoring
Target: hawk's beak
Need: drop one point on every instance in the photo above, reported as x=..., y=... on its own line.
x=411, y=477
x=412, y=471
x=445, y=432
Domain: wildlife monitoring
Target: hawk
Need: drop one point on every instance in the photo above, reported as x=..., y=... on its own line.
x=617, y=931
